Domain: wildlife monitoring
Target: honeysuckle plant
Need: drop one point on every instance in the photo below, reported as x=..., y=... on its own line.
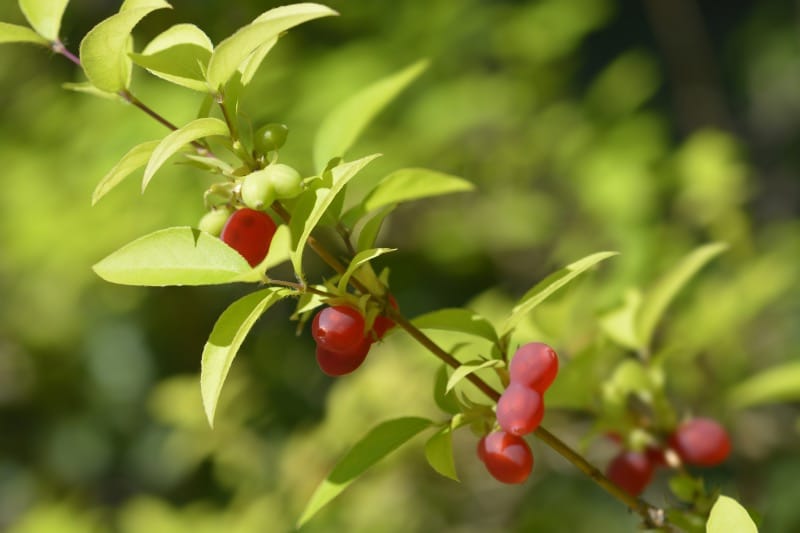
x=261, y=213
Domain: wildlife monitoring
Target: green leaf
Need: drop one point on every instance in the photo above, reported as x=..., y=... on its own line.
x=45, y=16
x=728, y=516
x=14, y=33
x=341, y=175
x=377, y=444
x=227, y=336
x=88, y=88
x=136, y=158
x=470, y=368
x=446, y=401
x=368, y=233
x=173, y=256
x=439, y=453
x=179, y=55
x=458, y=320
x=231, y=53
x=342, y=126
x=361, y=258
x=196, y=129
x=659, y=297
x=620, y=323
x=412, y=184
x=778, y=384
x=542, y=290
x=251, y=64
x=104, y=50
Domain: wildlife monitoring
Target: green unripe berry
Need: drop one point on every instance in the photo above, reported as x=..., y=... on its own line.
x=286, y=181
x=270, y=137
x=213, y=221
x=257, y=190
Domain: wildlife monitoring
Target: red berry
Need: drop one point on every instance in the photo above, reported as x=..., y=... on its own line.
x=383, y=323
x=534, y=365
x=507, y=457
x=520, y=409
x=630, y=470
x=338, y=329
x=341, y=363
x=656, y=456
x=701, y=442
x=250, y=233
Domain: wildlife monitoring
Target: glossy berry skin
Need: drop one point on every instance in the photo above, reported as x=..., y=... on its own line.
x=701, y=442
x=508, y=458
x=520, y=409
x=270, y=137
x=631, y=471
x=534, y=365
x=338, y=364
x=338, y=329
x=250, y=233
x=382, y=323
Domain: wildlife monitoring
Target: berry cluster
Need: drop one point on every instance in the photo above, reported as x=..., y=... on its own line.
x=342, y=338
x=520, y=409
x=698, y=442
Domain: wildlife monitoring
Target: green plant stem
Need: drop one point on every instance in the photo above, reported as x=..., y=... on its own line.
x=300, y=287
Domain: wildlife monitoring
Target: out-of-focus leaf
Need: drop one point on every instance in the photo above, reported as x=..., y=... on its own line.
x=88, y=88
x=446, y=401
x=439, y=453
x=342, y=126
x=412, y=184
x=179, y=55
x=173, y=256
x=227, y=336
x=620, y=324
x=14, y=33
x=376, y=445
x=728, y=516
x=369, y=231
x=777, y=384
x=45, y=16
x=458, y=320
x=169, y=145
x=136, y=157
x=470, y=368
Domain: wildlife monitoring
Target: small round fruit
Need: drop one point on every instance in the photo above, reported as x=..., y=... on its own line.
x=258, y=190
x=508, y=458
x=701, y=442
x=213, y=221
x=338, y=363
x=250, y=233
x=338, y=329
x=520, y=409
x=286, y=181
x=270, y=137
x=383, y=323
x=631, y=471
x=534, y=365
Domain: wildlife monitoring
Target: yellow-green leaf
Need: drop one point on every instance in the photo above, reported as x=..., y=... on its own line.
x=412, y=184
x=179, y=55
x=728, y=516
x=14, y=33
x=45, y=16
x=136, y=158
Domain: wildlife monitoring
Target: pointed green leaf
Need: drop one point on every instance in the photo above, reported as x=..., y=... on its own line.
x=342, y=126
x=88, y=88
x=44, y=16
x=179, y=55
x=173, y=256
x=728, y=516
x=439, y=453
x=341, y=175
x=542, y=290
x=778, y=384
x=231, y=53
x=446, y=401
x=14, y=33
x=459, y=320
x=104, y=50
x=361, y=258
x=169, y=145
x=620, y=323
x=659, y=297
x=470, y=368
x=251, y=64
x=377, y=444
x=369, y=231
x=226, y=338
x=412, y=184
x=136, y=158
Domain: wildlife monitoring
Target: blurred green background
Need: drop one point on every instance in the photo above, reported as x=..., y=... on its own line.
x=645, y=127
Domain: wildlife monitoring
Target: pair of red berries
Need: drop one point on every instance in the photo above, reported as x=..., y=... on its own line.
x=699, y=442
x=250, y=233
x=342, y=338
x=520, y=409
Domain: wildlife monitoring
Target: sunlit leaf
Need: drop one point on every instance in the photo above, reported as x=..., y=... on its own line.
x=104, y=50
x=45, y=16
x=458, y=320
x=471, y=367
x=376, y=445
x=136, y=158
x=14, y=33
x=227, y=336
x=179, y=55
x=169, y=145
x=173, y=256
x=439, y=453
x=412, y=184
x=728, y=516
x=342, y=126
x=87, y=88
x=542, y=290
x=361, y=258
x=446, y=400
x=251, y=64
x=231, y=53
x=777, y=384
x=620, y=323
x=369, y=231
